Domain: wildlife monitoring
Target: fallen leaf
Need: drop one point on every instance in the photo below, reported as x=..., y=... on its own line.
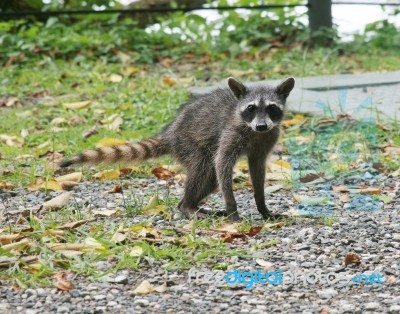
x=305, y=200
x=57, y=202
x=385, y=198
x=20, y=245
x=310, y=177
x=77, y=105
x=276, y=225
x=8, y=238
x=162, y=173
x=146, y=287
x=70, y=253
x=61, y=282
x=109, y=142
x=6, y=185
x=43, y=184
x=273, y=188
x=339, y=188
x=107, y=175
x=352, y=258
x=116, y=189
x=75, y=177
x=136, y=251
x=93, y=243
x=228, y=227
x=189, y=225
x=89, y=132
x=68, y=185
x=392, y=149
x=168, y=81
x=105, y=212
x=296, y=120
x=75, y=224
x=9, y=101
x=344, y=198
x=59, y=121
x=264, y=263
x=371, y=190
x=12, y=140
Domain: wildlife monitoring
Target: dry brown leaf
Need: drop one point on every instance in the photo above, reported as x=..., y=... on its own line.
x=311, y=177
x=6, y=185
x=75, y=177
x=352, y=258
x=68, y=185
x=59, y=121
x=20, y=245
x=228, y=227
x=61, y=282
x=57, y=202
x=8, y=238
x=162, y=173
x=12, y=140
x=371, y=190
x=75, y=224
x=339, y=188
x=296, y=120
x=77, y=105
x=168, y=81
x=344, y=198
x=105, y=212
x=9, y=101
x=89, y=132
x=116, y=189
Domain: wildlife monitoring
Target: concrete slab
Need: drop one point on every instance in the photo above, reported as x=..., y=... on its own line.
x=358, y=94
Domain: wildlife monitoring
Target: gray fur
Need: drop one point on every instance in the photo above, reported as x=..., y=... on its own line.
x=211, y=132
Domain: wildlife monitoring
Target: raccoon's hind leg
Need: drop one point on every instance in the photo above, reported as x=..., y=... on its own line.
x=201, y=181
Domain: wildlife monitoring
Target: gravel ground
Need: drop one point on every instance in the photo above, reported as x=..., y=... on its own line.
x=308, y=245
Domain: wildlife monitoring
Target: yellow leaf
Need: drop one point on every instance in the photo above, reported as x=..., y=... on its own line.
x=146, y=287
x=74, y=176
x=242, y=166
x=168, y=81
x=114, y=78
x=93, y=243
x=107, y=175
x=109, y=142
x=42, y=184
x=128, y=71
x=282, y=164
x=77, y=105
x=136, y=251
x=296, y=120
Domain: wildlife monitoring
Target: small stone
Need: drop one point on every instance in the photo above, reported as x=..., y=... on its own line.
x=121, y=279
x=63, y=309
x=358, y=249
x=141, y=302
x=327, y=293
x=370, y=306
x=112, y=303
x=394, y=309
x=99, y=297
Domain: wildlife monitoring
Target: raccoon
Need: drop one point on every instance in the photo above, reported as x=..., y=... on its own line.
x=207, y=137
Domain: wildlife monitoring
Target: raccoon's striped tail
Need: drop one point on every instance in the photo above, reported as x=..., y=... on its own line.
x=145, y=149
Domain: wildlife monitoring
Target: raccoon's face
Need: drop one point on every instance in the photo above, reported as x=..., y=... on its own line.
x=261, y=108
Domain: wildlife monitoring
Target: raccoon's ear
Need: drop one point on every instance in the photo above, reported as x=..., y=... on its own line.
x=285, y=87
x=236, y=87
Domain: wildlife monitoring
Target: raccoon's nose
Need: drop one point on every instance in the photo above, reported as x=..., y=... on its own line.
x=261, y=127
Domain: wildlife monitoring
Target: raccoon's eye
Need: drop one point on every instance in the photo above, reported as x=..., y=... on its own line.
x=275, y=113
x=251, y=108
